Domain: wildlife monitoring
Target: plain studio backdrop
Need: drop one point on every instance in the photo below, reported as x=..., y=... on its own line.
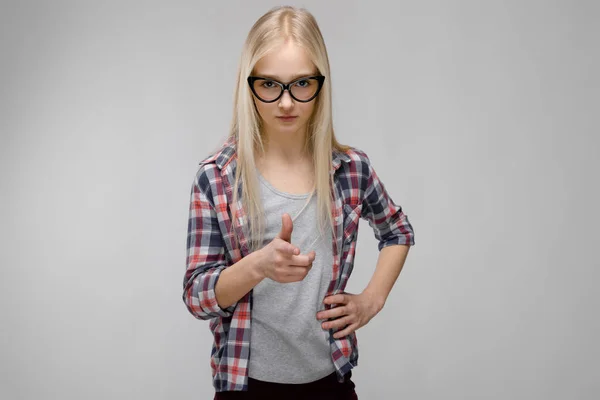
x=481, y=118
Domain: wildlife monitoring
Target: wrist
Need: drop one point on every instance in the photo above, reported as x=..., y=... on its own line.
x=377, y=299
x=257, y=264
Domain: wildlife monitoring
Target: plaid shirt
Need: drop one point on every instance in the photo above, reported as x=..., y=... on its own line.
x=211, y=247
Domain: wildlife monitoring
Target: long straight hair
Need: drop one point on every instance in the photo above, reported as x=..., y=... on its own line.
x=274, y=28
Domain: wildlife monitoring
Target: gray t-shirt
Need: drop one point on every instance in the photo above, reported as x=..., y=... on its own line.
x=288, y=344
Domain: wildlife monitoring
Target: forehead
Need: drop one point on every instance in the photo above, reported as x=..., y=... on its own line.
x=285, y=63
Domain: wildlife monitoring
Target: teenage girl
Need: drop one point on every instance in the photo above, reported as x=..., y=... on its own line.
x=273, y=226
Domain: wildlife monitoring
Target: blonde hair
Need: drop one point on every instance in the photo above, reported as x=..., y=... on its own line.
x=277, y=26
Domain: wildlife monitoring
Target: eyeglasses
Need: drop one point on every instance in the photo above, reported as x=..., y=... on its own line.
x=269, y=90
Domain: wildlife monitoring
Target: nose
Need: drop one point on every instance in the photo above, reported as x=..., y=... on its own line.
x=286, y=102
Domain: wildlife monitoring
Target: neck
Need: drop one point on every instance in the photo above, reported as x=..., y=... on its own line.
x=288, y=148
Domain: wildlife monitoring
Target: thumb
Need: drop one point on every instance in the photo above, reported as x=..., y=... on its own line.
x=286, y=228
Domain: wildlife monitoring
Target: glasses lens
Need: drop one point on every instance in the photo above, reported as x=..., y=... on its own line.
x=305, y=89
x=266, y=90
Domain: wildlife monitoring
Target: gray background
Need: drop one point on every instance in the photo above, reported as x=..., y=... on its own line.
x=480, y=117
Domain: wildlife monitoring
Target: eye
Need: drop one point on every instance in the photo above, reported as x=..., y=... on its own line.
x=303, y=83
x=268, y=84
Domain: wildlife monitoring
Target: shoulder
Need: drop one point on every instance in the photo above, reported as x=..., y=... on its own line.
x=208, y=174
x=353, y=160
x=358, y=156
x=223, y=155
x=353, y=172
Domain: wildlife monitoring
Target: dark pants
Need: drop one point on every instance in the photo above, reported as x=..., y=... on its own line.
x=327, y=388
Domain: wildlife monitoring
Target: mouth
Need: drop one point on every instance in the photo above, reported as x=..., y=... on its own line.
x=287, y=118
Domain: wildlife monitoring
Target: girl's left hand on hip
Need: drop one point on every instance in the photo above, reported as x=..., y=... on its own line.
x=352, y=311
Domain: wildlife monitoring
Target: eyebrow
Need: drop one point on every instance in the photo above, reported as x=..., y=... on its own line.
x=276, y=78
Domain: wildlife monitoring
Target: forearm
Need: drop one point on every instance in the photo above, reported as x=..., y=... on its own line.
x=389, y=264
x=238, y=279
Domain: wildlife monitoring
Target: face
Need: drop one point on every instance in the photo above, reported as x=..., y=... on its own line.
x=285, y=64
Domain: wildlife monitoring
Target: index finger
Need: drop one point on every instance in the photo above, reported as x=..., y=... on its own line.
x=335, y=299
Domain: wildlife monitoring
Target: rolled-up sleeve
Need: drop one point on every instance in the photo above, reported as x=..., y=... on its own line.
x=390, y=225
x=205, y=253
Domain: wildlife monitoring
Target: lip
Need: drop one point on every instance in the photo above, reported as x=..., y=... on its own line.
x=287, y=118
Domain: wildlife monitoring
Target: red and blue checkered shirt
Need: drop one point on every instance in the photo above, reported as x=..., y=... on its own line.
x=212, y=246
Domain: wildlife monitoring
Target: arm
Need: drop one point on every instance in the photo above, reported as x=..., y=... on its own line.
x=390, y=224
x=354, y=311
x=389, y=264
x=236, y=281
x=395, y=234
x=206, y=261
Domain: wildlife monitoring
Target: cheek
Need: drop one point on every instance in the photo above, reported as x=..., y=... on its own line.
x=263, y=109
x=307, y=109
x=259, y=108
